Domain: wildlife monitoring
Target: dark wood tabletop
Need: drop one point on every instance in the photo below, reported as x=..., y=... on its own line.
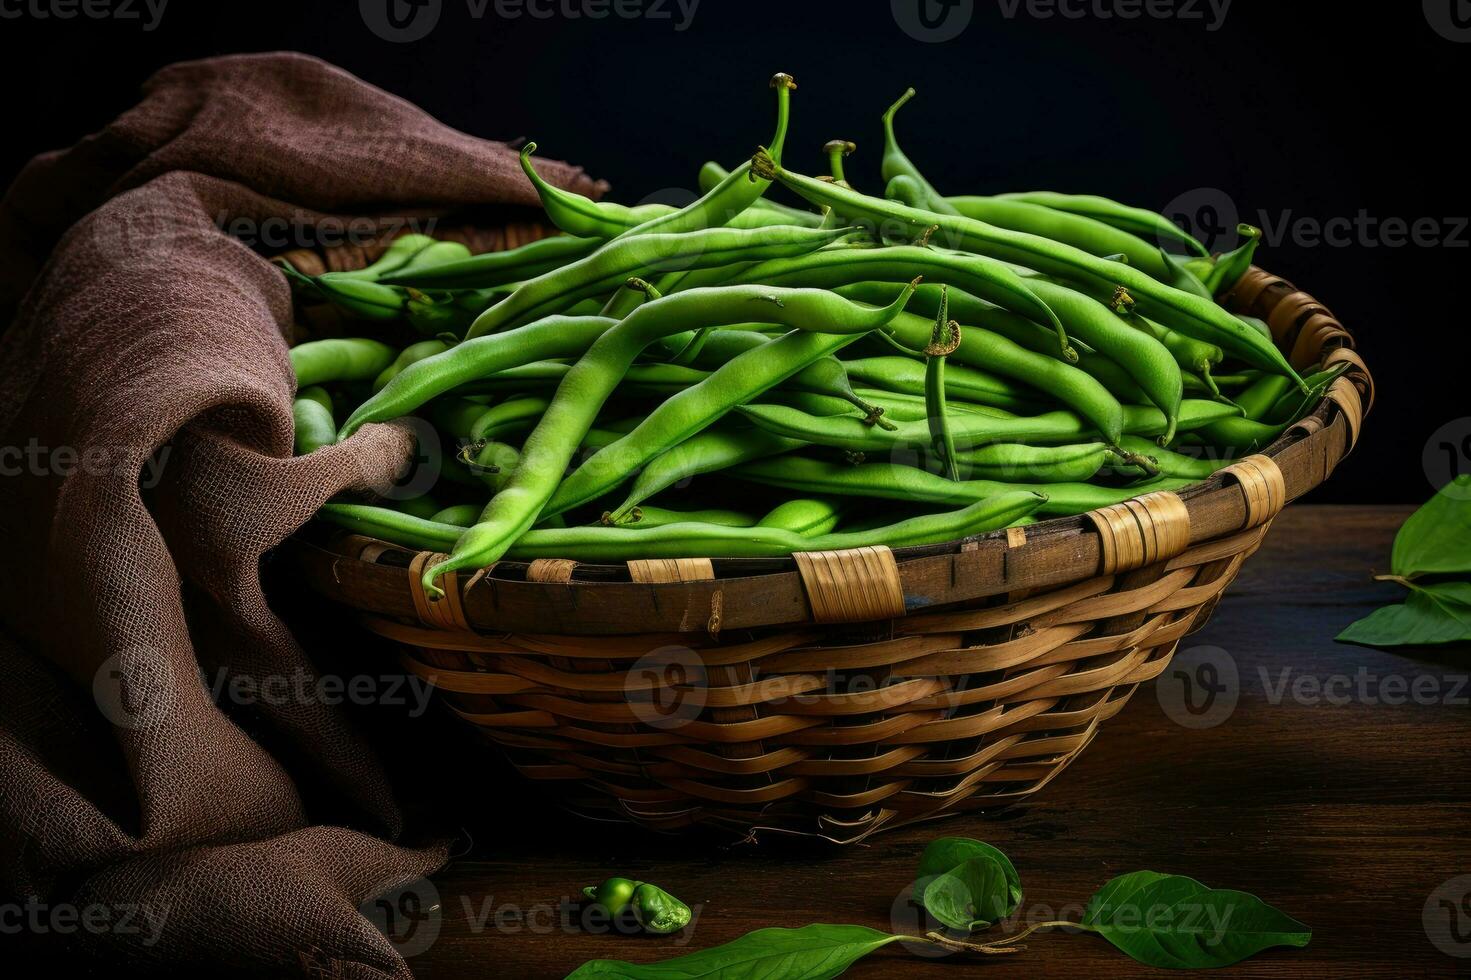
x=1331, y=782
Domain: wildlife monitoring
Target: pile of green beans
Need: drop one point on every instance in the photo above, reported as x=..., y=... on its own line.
x=751, y=377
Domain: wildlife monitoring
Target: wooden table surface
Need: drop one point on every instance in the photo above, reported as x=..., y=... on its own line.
x=1336, y=789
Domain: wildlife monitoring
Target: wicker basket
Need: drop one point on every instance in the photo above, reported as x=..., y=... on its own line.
x=836, y=694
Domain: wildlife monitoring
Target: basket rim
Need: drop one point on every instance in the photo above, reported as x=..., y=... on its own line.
x=1307, y=452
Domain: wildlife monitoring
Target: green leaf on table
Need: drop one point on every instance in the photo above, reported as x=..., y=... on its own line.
x=946, y=853
x=1437, y=613
x=970, y=896
x=1436, y=540
x=812, y=952
x=1177, y=922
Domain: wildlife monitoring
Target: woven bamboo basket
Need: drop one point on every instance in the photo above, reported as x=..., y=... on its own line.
x=837, y=694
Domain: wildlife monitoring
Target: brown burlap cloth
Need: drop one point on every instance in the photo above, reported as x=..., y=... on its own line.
x=137, y=328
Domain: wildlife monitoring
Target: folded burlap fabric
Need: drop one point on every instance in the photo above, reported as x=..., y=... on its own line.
x=145, y=444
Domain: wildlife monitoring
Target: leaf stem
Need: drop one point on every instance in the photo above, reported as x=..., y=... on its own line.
x=959, y=946
x=1041, y=925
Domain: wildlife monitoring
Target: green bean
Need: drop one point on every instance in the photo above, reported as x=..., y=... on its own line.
x=492, y=269
x=944, y=339
x=1074, y=388
x=460, y=515
x=1034, y=464
x=511, y=415
x=824, y=376
x=1172, y=463
x=362, y=298
x=1191, y=313
x=906, y=375
x=492, y=463
x=1240, y=436
x=646, y=517
x=409, y=355
x=399, y=253
x=628, y=255
x=311, y=416
x=1080, y=231
x=415, y=385
x=1259, y=397
x=1228, y=269
x=836, y=150
x=681, y=416
x=1191, y=354
x=692, y=540
x=848, y=432
x=575, y=213
x=737, y=191
x=807, y=516
x=422, y=506
x=339, y=359
x=1138, y=221
x=894, y=481
x=896, y=164
x=1148, y=363
x=844, y=265
x=582, y=393
x=897, y=406
x=709, y=451
x=713, y=173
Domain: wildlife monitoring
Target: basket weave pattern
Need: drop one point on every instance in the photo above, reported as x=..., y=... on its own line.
x=841, y=693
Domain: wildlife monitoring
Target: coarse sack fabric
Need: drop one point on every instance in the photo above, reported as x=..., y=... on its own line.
x=139, y=328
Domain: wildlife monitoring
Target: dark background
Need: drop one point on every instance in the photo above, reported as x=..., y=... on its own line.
x=1302, y=113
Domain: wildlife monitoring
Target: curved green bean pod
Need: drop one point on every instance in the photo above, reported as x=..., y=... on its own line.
x=400, y=252
x=1089, y=234
x=971, y=429
x=906, y=375
x=339, y=359
x=611, y=265
x=807, y=516
x=1138, y=221
x=415, y=385
x=1190, y=313
x=895, y=481
x=511, y=415
x=838, y=266
x=740, y=188
x=692, y=540
x=712, y=173
x=682, y=415
x=896, y=164
x=491, y=269
x=1017, y=463
x=311, y=416
x=579, y=398
x=409, y=355
x=1171, y=463
x=709, y=451
x=660, y=516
